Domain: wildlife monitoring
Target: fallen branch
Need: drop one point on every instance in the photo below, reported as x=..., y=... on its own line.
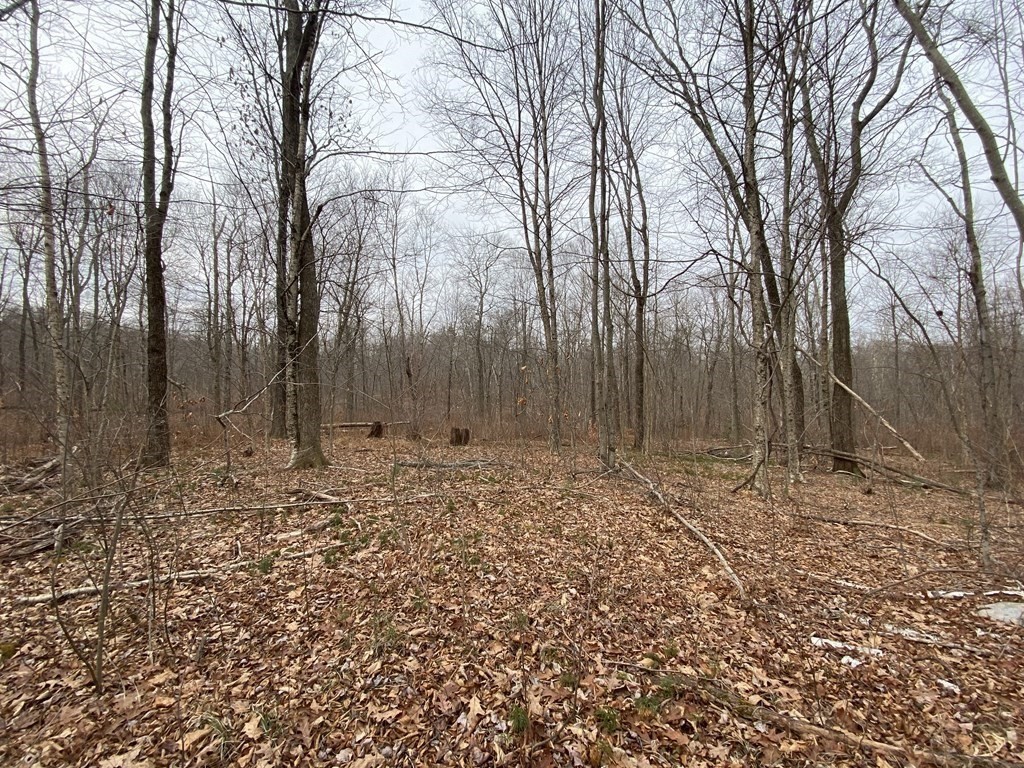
x=693, y=529
x=834, y=582
x=872, y=524
x=467, y=464
x=729, y=452
x=180, y=576
x=738, y=705
x=361, y=424
x=35, y=475
x=867, y=407
x=922, y=482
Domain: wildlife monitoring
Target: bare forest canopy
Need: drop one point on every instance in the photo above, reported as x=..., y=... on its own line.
x=770, y=224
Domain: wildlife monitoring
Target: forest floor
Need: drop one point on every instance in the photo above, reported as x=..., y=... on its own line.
x=418, y=605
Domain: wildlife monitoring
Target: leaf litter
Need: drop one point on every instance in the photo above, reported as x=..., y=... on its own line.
x=412, y=607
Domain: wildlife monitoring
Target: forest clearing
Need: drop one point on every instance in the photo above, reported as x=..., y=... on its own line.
x=414, y=604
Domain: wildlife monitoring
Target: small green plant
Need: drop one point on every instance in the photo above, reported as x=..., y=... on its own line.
x=420, y=603
x=450, y=506
x=331, y=558
x=569, y=680
x=670, y=651
x=520, y=621
x=387, y=638
x=519, y=720
x=7, y=650
x=222, y=733
x=549, y=654
x=337, y=520
x=265, y=564
x=465, y=549
x=648, y=706
x=607, y=719
x=669, y=686
x=270, y=723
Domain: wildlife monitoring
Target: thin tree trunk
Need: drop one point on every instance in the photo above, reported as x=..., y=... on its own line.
x=54, y=309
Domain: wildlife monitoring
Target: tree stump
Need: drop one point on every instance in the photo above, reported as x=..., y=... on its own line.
x=377, y=429
x=459, y=436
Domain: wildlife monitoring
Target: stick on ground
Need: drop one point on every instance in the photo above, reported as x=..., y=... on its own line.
x=693, y=529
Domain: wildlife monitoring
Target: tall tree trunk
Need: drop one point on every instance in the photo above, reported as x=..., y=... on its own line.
x=754, y=219
x=302, y=287
x=992, y=458
x=54, y=309
x=598, y=209
x=157, y=451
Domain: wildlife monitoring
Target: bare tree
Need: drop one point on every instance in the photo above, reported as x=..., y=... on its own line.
x=731, y=133
x=507, y=109
x=838, y=154
x=156, y=202
x=301, y=39
x=54, y=306
x=946, y=73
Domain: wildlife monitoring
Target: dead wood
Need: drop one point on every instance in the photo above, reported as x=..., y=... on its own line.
x=872, y=524
x=834, y=582
x=913, y=480
x=729, y=452
x=32, y=475
x=42, y=538
x=738, y=705
x=693, y=529
x=315, y=495
x=361, y=424
x=50, y=598
x=467, y=464
x=881, y=419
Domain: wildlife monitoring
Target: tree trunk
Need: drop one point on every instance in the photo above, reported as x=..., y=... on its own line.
x=303, y=294
x=54, y=309
x=157, y=451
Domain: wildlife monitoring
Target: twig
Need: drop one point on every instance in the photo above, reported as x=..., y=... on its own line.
x=693, y=529
x=835, y=582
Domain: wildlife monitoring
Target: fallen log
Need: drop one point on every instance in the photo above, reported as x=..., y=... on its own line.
x=878, y=466
x=361, y=424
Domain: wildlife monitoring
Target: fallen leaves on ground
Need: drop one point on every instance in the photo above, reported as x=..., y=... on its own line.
x=519, y=610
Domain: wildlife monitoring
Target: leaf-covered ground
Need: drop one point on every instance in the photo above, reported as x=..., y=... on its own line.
x=493, y=605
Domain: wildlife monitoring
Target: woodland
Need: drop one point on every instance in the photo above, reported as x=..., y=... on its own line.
x=511, y=382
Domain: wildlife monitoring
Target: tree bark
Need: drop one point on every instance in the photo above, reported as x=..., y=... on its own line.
x=54, y=309
x=302, y=286
x=157, y=450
